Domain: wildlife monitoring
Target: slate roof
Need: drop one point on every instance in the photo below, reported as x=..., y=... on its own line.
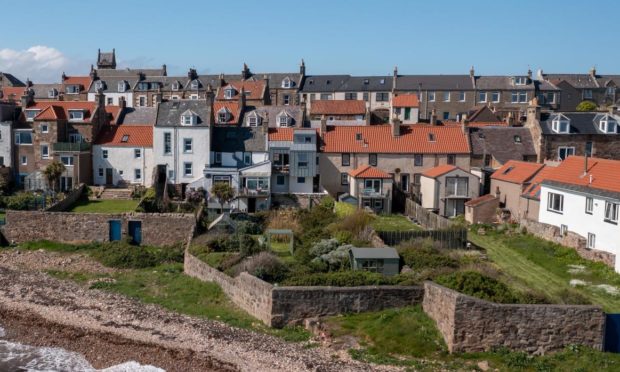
x=130, y=72
x=270, y=113
x=169, y=113
x=413, y=139
x=323, y=83
x=519, y=172
x=500, y=142
x=238, y=139
x=139, y=116
x=111, y=83
x=367, y=171
x=275, y=79
x=439, y=170
x=367, y=83
x=502, y=82
x=41, y=91
x=580, y=123
x=286, y=134
x=584, y=81
x=434, y=82
x=126, y=136
x=338, y=107
x=12, y=79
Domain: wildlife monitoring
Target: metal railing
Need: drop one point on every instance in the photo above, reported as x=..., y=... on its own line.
x=70, y=146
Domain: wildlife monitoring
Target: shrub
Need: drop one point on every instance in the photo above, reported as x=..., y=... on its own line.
x=324, y=246
x=336, y=259
x=356, y=223
x=477, y=285
x=423, y=254
x=339, y=279
x=572, y=297
x=248, y=227
x=20, y=201
x=343, y=237
x=328, y=202
x=586, y=106
x=264, y=265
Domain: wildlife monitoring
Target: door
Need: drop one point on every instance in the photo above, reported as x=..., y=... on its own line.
x=108, y=176
x=115, y=230
x=316, y=183
x=135, y=231
x=251, y=205
x=612, y=333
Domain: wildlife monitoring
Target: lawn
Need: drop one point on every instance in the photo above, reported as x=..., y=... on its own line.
x=394, y=222
x=549, y=268
x=105, y=206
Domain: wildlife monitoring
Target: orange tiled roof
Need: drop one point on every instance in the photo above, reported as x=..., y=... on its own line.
x=137, y=136
x=413, y=139
x=601, y=174
x=515, y=171
x=480, y=200
x=405, y=100
x=338, y=107
x=533, y=189
x=15, y=93
x=59, y=110
x=232, y=106
x=367, y=171
x=479, y=124
x=114, y=112
x=254, y=89
x=439, y=170
x=82, y=81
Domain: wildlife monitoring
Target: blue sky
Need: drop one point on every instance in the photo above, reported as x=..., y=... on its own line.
x=333, y=36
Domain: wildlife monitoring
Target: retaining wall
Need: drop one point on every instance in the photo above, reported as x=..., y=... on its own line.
x=471, y=325
x=68, y=201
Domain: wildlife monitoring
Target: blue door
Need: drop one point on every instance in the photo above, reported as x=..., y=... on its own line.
x=135, y=231
x=612, y=333
x=115, y=230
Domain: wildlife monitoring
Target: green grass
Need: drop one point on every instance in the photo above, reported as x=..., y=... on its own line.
x=344, y=209
x=393, y=222
x=282, y=250
x=544, y=266
x=105, y=206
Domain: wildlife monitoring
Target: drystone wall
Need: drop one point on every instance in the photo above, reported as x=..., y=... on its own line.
x=471, y=325
x=68, y=201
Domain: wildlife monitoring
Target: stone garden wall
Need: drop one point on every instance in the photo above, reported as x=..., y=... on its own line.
x=471, y=325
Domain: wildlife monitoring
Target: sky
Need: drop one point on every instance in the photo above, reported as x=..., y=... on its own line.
x=361, y=37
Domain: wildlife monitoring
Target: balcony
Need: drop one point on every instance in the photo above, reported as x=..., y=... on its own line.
x=247, y=192
x=373, y=193
x=70, y=146
x=281, y=168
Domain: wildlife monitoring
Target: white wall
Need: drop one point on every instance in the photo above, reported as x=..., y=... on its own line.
x=6, y=143
x=199, y=156
x=115, y=97
x=299, y=188
x=413, y=119
x=578, y=221
x=122, y=159
x=429, y=189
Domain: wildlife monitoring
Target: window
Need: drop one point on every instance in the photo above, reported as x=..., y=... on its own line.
x=67, y=160
x=121, y=87
x=218, y=158
x=171, y=175
x=611, y=91
x=517, y=139
x=382, y=97
x=286, y=83
x=326, y=96
x=23, y=138
x=283, y=120
x=589, y=148
x=75, y=138
x=495, y=97
x=167, y=143
x=175, y=86
x=104, y=154
x=247, y=158
x=587, y=93
x=350, y=96
x=372, y=185
x=195, y=84
x=418, y=160
x=365, y=96
x=100, y=172
x=611, y=212
x=520, y=80
x=301, y=179
x=446, y=115
x=563, y=230
x=223, y=116
x=109, y=101
x=608, y=125
x=457, y=186
x=137, y=174
x=187, y=145
x=72, y=89
x=482, y=96
x=431, y=137
x=416, y=178
x=591, y=241
x=44, y=128
x=187, y=169
x=518, y=97
x=188, y=119
x=345, y=160
x=446, y=96
x=143, y=86
x=461, y=96
x=375, y=266
x=52, y=93
x=589, y=205
x=564, y=152
x=372, y=159
x=24, y=160
x=125, y=138
x=451, y=159
x=551, y=98
x=407, y=113
x=344, y=179
x=142, y=101
x=431, y=96
x=45, y=151
x=280, y=180
x=253, y=121
x=302, y=160
x=193, y=96
x=404, y=181
x=555, y=202
x=286, y=99
x=560, y=124
x=76, y=115
x=30, y=114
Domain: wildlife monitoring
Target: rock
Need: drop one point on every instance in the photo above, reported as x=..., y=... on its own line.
x=406, y=270
x=483, y=365
x=482, y=231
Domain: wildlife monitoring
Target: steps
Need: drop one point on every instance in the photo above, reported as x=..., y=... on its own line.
x=119, y=194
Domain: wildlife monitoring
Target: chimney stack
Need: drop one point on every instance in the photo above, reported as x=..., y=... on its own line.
x=27, y=99
x=472, y=72
x=464, y=123
x=242, y=99
x=395, y=124
x=510, y=120
x=192, y=74
x=613, y=110
x=529, y=73
x=93, y=73
x=533, y=113
x=100, y=98
x=302, y=68
x=209, y=95
x=593, y=71
x=433, y=120
x=164, y=69
x=122, y=103
x=323, y=125
x=265, y=123
x=245, y=73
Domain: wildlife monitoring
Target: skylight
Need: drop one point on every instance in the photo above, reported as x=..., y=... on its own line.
x=508, y=170
x=125, y=138
x=431, y=137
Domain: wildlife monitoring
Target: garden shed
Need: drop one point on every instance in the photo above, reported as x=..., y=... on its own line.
x=380, y=260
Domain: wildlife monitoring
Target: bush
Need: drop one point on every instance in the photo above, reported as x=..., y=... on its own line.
x=422, y=254
x=356, y=223
x=477, y=285
x=339, y=279
x=586, y=106
x=21, y=201
x=323, y=246
x=248, y=227
x=328, y=202
x=264, y=265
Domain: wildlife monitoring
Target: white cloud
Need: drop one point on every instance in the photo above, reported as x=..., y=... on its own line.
x=41, y=64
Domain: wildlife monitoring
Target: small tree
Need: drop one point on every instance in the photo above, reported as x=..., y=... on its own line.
x=52, y=172
x=586, y=106
x=223, y=192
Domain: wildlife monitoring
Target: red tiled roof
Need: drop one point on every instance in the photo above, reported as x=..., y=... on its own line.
x=515, y=171
x=253, y=89
x=51, y=113
x=533, y=189
x=338, y=107
x=82, y=81
x=367, y=171
x=601, y=174
x=481, y=200
x=232, y=106
x=405, y=100
x=413, y=139
x=15, y=93
x=114, y=112
x=59, y=110
x=479, y=124
x=137, y=136
x=439, y=170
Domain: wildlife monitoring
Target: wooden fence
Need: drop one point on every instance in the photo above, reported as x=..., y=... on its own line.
x=427, y=219
x=455, y=238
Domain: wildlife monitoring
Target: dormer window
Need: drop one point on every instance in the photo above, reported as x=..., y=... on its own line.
x=223, y=116
x=195, y=84
x=382, y=81
x=520, y=80
x=608, y=125
x=229, y=92
x=52, y=93
x=30, y=114
x=253, y=120
x=99, y=85
x=143, y=86
x=122, y=86
x=366, y=82
x=560, y=124
x=175, y=86
x=154, y=86
x=284, y=120
x=286, y=83
x=358, y=136
x=517, y=139
x=72, y=89
x=76, y=115
x=189, y=118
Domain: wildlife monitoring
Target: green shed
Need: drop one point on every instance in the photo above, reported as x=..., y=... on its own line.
x=379, y=260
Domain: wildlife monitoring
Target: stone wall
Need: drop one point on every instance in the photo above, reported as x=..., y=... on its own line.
x=472, y=325
x=481, y=210
x=158, y=229
x=570, y=239
x=68, y=201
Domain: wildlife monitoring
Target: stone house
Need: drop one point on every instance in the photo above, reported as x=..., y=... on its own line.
x=370, y=187
x=446, y=188
x=576, y=88
x=492, y=147
x=252, y=92
x=9, y=80
x=405, y=151
x=482, y=209
x=510, y=182
x=75, y=88
x=561, y=134
x=348, y=112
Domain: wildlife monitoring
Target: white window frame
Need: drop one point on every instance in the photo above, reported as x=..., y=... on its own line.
x=45, y=128
x=121, y=87
x=462, y=96
x=495, y=99
x=69, y=162
x=557, y=123
x=29, y=116
x=100, y=172
x=137, y=153
x=611, y=212
x=186, y=142
x=551, y=198
x=283, y=121
x=252, y=121
x=563, y=229
x=591, y=241
x=104, y=154
x=286, y=99
x=167, y=150
x=286, y=83
x=587, y=94
x=45, y=155
x=446, y=96
x=175, y=86
x=520, y=80
x=194, y=84
x=191, y=169
x=137, y=174
x=142, y=101
x=589, y=205
x=569, y=151
x=482, y=97
x=24, y=160
x=431, y=96
x=229, y=93
x=74, y=117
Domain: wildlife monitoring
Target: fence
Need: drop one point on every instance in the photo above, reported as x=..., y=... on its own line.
x=450, y=239
x=427, y=219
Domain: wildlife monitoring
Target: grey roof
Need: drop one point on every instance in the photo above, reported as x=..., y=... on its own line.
x=185, y=82
x=169, y=113
x=367, y=83
x=431, y=82
x=606, y=80
x=238, y=139
x=271, y=113
x=580, y=122
x=502, y=83
x=576, y=80
x=501, y=144
x=13, y=81
x=545, y=85
x=138, y=116
x=303, y=147
x=275, y=79
x=41, y=91
x=385, y=253
x=584, y=189
x=110, y=83
x=130, y=72
x=323, y=83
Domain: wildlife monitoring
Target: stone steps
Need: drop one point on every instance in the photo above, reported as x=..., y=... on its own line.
x=124, y=194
